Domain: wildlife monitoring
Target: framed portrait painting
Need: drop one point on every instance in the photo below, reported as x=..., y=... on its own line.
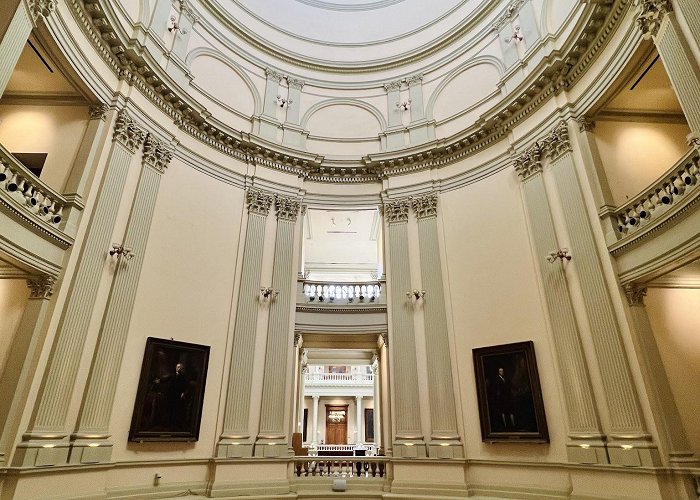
x=510, y=399
x=170, y=395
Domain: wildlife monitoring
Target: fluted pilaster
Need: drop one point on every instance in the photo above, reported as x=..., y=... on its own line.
x=236, y=437
x=101, y=390
x=13, y=43
x=272, y=435
x=443, y=416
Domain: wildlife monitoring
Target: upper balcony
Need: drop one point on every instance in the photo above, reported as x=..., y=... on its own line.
x=326, y=379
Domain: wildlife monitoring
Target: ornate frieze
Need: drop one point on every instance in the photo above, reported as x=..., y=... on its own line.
x=41, y=9
x=287, y=208
x=528, y=163
x=272, y=74
x=98, y=111
x=585, y=124
x=635, y=294
x=396, y=211
x=425, y=206
x=156, y=154
x=127, y=132
x=651, y=14
x=258, y=201
x=41, y=287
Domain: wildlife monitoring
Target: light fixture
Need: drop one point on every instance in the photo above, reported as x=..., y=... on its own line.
x=121, y=251
x=174, y=26
x=268, y=293
x=416, y=294
x=562, y=254
x=517, y=37
x=282, y=102
x=403, y=106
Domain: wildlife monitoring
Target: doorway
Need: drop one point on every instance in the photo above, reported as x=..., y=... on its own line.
x=336, y=424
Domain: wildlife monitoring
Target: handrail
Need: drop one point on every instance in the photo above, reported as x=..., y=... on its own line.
x=682, y=178
x=359, y=467
x=340, y=377
x=29, y=191
x=346, y=292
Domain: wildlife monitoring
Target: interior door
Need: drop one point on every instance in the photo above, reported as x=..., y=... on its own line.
x=336, y=424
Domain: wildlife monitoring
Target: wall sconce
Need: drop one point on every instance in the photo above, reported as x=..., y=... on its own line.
x=121, y=251
x=268, y=293
x=516, y=37
x=403, y=106
x=562, y=254
x=415, y=295
x=174, y=26
x=282, y=102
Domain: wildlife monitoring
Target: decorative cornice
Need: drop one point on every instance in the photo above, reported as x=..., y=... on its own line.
x=272, y=74
x=41, y=9
x=528, y=163
x=585, y=124
x=98, y=111
x=396, y=211
x=510, y=12
x=41, y=287
x=650, y=15
x=425, y=206
x=156, y=154
x=635, y=294
x=391, y=86
x=287, y=208
x=258, y=201
x=127, y=132
x=295, y=83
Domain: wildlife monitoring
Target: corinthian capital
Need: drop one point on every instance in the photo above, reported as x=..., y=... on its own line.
x=396, y=211
x=635, y=294
x=156, y=154
x=41, y=287
x=98, y=111
x=650, y=15
x=425, y=206
x=127, y=132
x=557, y=142
x=287, y=208
x=529, y=163
x=41, y=9
x=258, y=201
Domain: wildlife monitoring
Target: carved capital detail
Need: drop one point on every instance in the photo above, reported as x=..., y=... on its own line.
x=302, y=210
x=650, y=15
x=258, y=201
x=585, y=124
x=635, y=294
x=295, y=83
x=396, y=211
x=272, y=74
x=557, y=142
x=156, y=154
x=98, y=111
x=287, y=208
x=298, y=339
x=127, y=132
x=41, y=287
x=425, y=206
x=392, y=86
x=528, y=163
x=41, y=9
x=414, y=80
x=383, y=340
x=510, y=12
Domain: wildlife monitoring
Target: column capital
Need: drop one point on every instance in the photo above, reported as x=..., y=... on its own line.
x=391, y=86
x=287, y=208
x=295, y=83
x=528, y=163
x=298, y=340
x=693, y=140
x=425, y=206
x=557, y=142
x=41, y=9
x=396, y=211
x=98, y=111
x=414, y=80
x=272, y=74
x=650, y=15
x=127, y=132
x=156, y=154
x=635, y=293
x=383, y=340
x=258, y=201
x=41, y=287
x=315, y=397
x=585, y=124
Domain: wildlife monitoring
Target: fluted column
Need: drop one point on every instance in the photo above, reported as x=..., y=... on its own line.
x=359, y=438
x=688, y=9
x=303, y=370
x=90, y=441
x=672, y=435
x=585, y=438
x=629, y=441
x=657, y=20
x=272, y=437
x=14, y=39
x=314, y=422
x=49, y=421
x=444, y=437
x=408, y=438
x=236, y=439
x=16, y=378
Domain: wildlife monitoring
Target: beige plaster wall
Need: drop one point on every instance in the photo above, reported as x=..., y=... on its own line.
x=674, y=314
x=13, y=299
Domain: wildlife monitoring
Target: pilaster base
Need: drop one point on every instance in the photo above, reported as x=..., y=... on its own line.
x=410, y=449
x=272, y=448
x=633, y=454
x=41, y=453
x=589, y=451
x=445, y=449
x=90, y=451
x=229, y=448
x=675, y=458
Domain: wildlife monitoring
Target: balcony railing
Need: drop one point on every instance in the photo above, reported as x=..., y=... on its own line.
x=339, y=378
x=31, y=196
x=344, y=467
x=320, y=292
x=676, y=184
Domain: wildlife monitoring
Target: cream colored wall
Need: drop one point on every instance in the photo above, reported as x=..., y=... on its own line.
x=674, y=314
x=56, y=130
x=635, y=154
x=13, y=299
x=494, y=298
x=185, y=293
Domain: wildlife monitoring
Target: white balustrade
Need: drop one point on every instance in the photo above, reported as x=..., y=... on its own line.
x=327, y=449
x=342, y=292
x=339, y=378
x=345, y=467
x=669, y=189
